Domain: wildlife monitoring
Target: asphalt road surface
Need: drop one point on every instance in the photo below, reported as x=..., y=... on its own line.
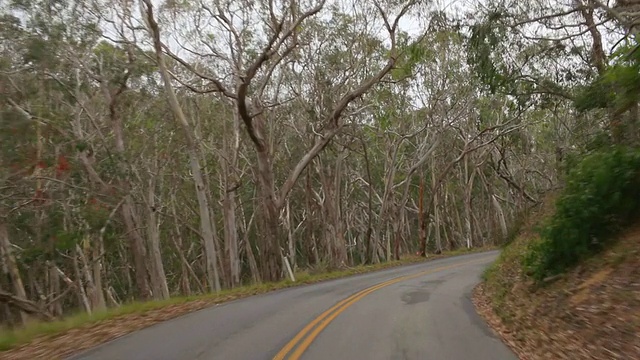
x=420, y=312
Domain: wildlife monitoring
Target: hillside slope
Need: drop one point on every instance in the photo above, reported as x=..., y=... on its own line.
x=590, y=312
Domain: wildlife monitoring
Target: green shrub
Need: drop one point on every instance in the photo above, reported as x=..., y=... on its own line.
x=602, y=195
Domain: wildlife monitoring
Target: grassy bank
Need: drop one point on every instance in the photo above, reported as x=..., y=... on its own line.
x=77, y=332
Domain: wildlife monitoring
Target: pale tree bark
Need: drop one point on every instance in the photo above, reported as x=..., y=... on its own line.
x=93, y=294
x=339, y=220
x=231, y=235
x=82, y=294
x=291, y=244
x=330, y=178
x=281, y=42
x=391, y=163
x=598, y=60
x=495, y=132
x=253, y=264
x=229, y=204
x=185, y=267
x=128, y=208
x=407, y=182
x=137, y=248
x=206, y=226
x=436, y=207
x=25, y=306
x=11, y=267
x=500, y=216
x=158, y=277
x=311, y=238
x=422, y=223
x=97, y=251
x=468, y=220
x=370, y=244
x=55, y=306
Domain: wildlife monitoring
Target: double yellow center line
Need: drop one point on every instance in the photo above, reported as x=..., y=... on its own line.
x=315, y=327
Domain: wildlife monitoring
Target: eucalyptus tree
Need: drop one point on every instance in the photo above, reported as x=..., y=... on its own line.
x=561, y=51
x=250, y=76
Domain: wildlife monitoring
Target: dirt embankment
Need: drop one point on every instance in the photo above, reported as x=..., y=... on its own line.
x=592, y=312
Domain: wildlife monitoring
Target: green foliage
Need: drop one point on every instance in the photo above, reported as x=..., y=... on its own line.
x=119, y=64
x=485, y=38
x=618, y=87
x=67, y=240
x=414, y=54
x=602, y=195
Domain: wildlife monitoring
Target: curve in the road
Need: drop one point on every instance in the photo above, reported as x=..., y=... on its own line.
x=322, y=321
x=414, y=312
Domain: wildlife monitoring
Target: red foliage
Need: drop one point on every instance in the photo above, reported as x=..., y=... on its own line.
x=96, y=205
x=40, y=197
x=41, y=164
x=63, y=165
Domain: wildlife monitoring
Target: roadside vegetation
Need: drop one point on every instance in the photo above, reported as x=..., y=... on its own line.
x=566, y=286
x=601, y=198
x=574, y=267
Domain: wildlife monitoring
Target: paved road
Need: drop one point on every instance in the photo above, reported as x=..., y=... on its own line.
x=420, y=312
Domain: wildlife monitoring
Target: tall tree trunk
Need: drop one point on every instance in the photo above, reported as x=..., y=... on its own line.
x=129, y=215
x=82, y=294
x=271, y=253
x=206, y=226
x=136, y=240
x=436, y=209
x=598, y=60
x=422, y=223
x=158, y=276
x=501, y=217
x=290, y=238
x=229, y=203
x=339, y=214
x=468, y=220
x=55, y=307
x=12, y=267
x=313, y=257
x=138, y=252
x=253, y=264
x=185, y=267
x=231, y=235
x=93, y=293
x=368, y=238
x=96, y=263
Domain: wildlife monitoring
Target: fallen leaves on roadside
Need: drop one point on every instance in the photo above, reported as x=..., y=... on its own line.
x=591, y=313
x=78, y=339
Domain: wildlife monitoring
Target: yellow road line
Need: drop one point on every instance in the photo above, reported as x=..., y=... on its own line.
x=285, y=350
x=328, y=316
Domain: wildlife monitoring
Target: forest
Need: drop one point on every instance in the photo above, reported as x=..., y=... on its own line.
x=155, y=149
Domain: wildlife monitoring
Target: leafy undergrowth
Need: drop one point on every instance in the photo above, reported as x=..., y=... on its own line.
x=589, y=312
x=600, y=199
x=59, y=339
